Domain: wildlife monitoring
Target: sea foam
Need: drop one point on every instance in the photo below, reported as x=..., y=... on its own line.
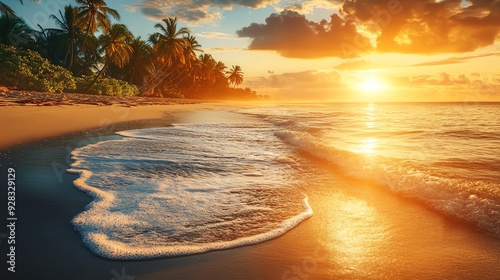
x=186, y=189
x=472, y=201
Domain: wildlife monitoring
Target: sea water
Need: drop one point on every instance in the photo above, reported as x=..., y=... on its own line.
x=446, y=155
x=186, y=189
x=195, y=187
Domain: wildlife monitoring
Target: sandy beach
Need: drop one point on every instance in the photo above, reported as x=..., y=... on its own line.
x=249, y=140
x=29, y=116
x=358, y=229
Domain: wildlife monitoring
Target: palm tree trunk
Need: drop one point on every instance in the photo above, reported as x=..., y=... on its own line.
x=87, y=32
x=95, y=79
x=72, y=51
x=65, y=62
x=83, y=43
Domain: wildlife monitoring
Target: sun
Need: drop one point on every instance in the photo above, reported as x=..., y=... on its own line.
x=372, y=85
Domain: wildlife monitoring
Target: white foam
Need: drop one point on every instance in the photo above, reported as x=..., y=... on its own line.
x=186, y=189
x=474, y=202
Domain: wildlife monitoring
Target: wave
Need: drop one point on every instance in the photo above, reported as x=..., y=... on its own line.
x=186, y=189
x=474, y=202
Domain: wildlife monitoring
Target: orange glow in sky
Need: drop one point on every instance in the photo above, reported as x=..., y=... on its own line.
x=419, y=50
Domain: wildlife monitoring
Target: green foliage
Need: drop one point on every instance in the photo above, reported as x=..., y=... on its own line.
x=106, y=86
x=26, y=69
x=165, y=66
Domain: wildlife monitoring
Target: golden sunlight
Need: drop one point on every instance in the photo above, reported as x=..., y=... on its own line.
x=368, y=146
x=372, y=85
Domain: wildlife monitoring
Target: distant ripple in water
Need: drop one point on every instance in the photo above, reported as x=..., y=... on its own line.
x=186, y=189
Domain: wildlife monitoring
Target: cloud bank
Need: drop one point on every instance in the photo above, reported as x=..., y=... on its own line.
x=311, y=79
x=396, y=26
x=292, y=35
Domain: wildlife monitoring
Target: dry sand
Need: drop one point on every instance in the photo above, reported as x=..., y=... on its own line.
x=23, y=124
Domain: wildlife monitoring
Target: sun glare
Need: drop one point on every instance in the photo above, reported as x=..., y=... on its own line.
x=372, y=85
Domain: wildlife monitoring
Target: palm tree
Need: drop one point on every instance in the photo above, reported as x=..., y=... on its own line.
x=7, y=11
x=114, y=45
x=209, y=75
x=141, y=65
x=70, y=34
x=14, y=31
x=192, y=46
x=170, y=42
x=185, y=70
x=205, y=70
x=169, y=45
x=95, y=14
x=235, y=75
x=45, y=43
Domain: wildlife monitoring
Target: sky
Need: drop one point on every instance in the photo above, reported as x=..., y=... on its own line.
x=354, y=50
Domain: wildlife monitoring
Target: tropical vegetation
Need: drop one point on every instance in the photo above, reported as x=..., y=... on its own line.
x=26, y=69
x=170, y=63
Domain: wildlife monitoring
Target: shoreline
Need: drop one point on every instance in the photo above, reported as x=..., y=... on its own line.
x=350, y=218
x=25, y=124
x=36, y=98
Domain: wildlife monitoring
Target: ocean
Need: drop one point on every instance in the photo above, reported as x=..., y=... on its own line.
x=219, y=183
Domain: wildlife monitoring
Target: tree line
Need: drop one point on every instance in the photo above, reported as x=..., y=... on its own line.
x=170, y=63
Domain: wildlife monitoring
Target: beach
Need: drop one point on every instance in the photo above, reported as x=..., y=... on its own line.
x=358, y=230
x=26, y=115
x=286, y=140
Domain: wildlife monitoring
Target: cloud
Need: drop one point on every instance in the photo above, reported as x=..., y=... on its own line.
x=357, y=65
x=394, y=26
x=427, y=27
x=305, y=85
x=195, y=12
x=464, y=81
x=292, y=35
x=307, y=7
x=454, y=60
x=306, y=79
x=130, y=8
x=220, y=50
x=216, y=35
x=153, y=13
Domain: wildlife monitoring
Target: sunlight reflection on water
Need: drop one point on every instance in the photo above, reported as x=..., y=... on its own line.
x=358, y=234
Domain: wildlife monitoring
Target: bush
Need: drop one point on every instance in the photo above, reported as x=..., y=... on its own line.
x=106, y=86
x=26, y=69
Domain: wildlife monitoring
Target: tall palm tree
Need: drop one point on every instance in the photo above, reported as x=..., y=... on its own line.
x=192, y=46
x=235, y=75
x=141, y=65
x=115, y=47
x=186, y=70
x=170, y=42
x=205, y=70
x=95, y=14
x=70, y=34
x=169, y=47
x=208, y=77
x=210, y=71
